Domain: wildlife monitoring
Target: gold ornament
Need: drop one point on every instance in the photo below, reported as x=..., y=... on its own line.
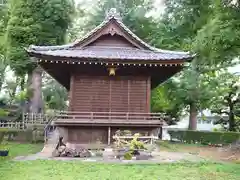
x=112, y=71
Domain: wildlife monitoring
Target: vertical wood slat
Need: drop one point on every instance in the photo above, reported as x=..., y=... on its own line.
x=110, y=94
x=92, y=116
x=109, y=135
x=148, y=105
x=91, y=94
x=71, y=94
x=119, y=96
x=138, y=94
x=128, y=94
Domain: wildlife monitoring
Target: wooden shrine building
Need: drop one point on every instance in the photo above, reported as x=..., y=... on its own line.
x=109, y=74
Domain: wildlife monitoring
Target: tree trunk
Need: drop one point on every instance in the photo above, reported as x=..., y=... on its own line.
x=13, y=91
x=36, y=102
x=22, y=83
x=231, y=118
x=1, y=82
x=2, y=77
x=29, y=93
x=193, y=117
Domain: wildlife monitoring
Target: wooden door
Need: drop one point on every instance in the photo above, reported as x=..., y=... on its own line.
x=129, y=94
x=90, y=94
x=110, y=94
x=119, y=94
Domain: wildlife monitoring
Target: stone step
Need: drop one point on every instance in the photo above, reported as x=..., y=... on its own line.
x=51, y=144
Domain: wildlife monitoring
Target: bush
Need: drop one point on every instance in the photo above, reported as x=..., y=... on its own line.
x=8, y=132
x=135, y=143
x=128, y=155
x=1, y=136
x=204, y=137
x=27, y=135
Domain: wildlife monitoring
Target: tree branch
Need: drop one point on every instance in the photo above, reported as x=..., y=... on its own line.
x=236, y=101
x=220, y=112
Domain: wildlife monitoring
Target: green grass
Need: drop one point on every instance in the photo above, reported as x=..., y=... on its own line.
x=175, y=147
x=17, y=149
x=76, y=170
x=59, y=170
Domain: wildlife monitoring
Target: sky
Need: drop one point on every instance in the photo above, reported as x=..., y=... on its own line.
x=235, y=69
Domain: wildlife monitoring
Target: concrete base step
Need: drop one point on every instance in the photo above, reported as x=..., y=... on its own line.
x=51, y=144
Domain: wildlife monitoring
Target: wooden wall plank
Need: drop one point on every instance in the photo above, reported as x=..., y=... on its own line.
x=71, y=93
x=115, y=94
x=148, y=104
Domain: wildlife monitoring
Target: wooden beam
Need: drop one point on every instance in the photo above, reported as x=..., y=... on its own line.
x=148, y=104
x=128, y=95
x=109, y=135
x=71, y=93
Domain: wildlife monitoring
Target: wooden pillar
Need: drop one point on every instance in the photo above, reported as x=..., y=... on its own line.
x=71, y=94
x=109, y=135
x=151, y=141
x=160, y=133
x=152, y=136
x=128, y=95
x=110, y=95
x=148, y=105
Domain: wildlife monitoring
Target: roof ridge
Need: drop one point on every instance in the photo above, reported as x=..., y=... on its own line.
x=170, y=51
x=47, y=48
x=108, y=47
x=113, y=13
x=130, y=48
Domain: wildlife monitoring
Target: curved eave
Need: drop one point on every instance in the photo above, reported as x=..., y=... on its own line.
x=96, y=30
x=104, y=58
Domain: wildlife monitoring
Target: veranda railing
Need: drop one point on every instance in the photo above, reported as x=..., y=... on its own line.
x=40, y=119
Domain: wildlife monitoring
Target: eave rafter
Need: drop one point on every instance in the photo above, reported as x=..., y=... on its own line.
x=149, y=64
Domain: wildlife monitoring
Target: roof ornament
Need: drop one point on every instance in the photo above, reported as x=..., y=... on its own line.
x=113, y=13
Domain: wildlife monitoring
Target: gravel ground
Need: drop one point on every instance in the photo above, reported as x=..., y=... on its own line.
x=158, y=157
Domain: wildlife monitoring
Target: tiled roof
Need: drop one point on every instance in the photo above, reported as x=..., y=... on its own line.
x=112, y=53
x=69, y=50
